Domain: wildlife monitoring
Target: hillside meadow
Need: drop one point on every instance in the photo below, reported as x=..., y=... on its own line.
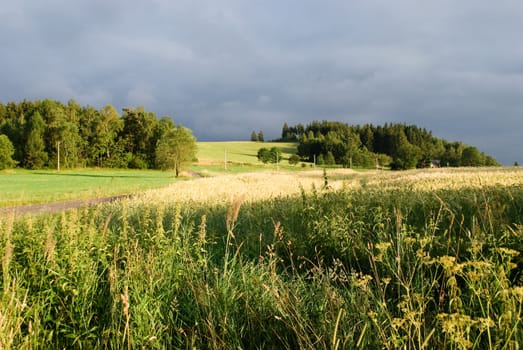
x=240, y=152
x=422, y=259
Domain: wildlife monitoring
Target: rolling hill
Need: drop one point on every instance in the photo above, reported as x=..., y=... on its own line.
x=240, y=151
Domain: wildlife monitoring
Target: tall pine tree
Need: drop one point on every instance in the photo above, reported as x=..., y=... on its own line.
x=35, y=155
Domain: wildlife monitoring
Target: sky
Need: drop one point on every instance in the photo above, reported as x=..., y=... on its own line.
x=227, y=68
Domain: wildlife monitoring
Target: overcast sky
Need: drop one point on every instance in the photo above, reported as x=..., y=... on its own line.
x=226, y=68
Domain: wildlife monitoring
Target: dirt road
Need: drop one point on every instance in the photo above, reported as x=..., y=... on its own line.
x=57, y=206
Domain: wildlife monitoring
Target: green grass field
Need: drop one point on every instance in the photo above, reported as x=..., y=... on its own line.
x=240, y=152
x=20, y=186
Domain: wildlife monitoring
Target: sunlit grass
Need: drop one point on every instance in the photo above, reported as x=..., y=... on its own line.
x=241, y=151
x=19, y=186
x=334, y=260
x=260, y=185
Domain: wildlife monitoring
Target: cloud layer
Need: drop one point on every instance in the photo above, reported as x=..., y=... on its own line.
x=227, y=68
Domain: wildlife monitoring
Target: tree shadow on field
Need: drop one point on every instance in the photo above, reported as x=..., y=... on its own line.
x=92, y=175
x=289, y=150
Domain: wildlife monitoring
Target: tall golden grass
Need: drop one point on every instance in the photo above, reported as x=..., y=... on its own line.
x=271, y=184
x=249, y=186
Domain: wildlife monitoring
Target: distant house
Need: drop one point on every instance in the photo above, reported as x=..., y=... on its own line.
x=435, y=163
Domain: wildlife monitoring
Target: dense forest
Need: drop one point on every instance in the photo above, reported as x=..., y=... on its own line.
x=399, y=146
x=49, y=133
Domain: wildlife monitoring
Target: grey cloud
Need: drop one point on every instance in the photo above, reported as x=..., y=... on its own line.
x=227, y=68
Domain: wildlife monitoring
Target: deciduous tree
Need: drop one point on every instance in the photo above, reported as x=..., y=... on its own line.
x=138, y=132
x=176, y=148
x=272, y=155
x=471, y=156
x=264, y=155
x=6, y=153
x=107, y=127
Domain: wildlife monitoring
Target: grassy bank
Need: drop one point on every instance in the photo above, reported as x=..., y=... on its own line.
x=371, y=261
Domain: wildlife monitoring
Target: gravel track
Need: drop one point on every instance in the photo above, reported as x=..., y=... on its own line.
x=58, y=206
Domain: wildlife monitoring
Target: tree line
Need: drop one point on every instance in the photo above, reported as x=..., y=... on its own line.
x=50, y=134
x=399, y=146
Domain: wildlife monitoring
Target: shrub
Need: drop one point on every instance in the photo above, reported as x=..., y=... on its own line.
x=294, y=159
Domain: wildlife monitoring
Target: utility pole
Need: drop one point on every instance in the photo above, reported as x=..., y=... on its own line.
x=58, y=154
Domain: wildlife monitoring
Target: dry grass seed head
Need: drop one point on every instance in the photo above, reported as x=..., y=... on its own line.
x=8, y=246
x=232, y=213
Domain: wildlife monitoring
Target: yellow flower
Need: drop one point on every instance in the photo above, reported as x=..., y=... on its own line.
x=506, y=251
x=363, y=281
x=409, y=240
x=447, y=261
x=382, y=246
x=423, y=256
x=473, y=276
x=398, y=323
x=517, y=292
x=449, y=264
x=484, y=323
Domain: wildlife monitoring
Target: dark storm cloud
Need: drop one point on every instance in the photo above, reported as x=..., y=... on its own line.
x=227, y=68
